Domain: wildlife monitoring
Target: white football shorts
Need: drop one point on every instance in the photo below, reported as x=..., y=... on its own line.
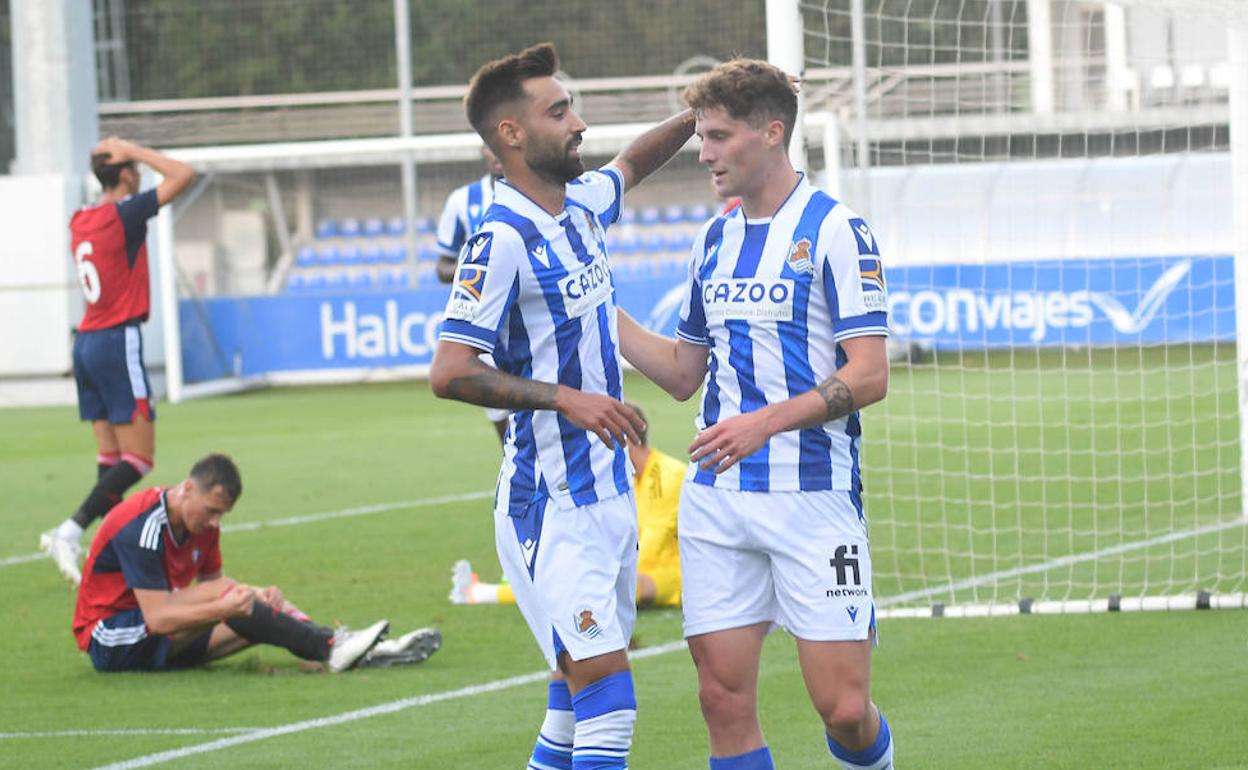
x=797, y=559
x=574, y=573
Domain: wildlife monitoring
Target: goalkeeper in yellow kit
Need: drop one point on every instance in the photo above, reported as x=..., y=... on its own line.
x=657, y=490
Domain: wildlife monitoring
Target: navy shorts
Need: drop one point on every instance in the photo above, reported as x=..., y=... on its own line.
x=112, y=381
x=121, y=643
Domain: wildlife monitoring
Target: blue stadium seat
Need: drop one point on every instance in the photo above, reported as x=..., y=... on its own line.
x=349, y=227
x=372, y=255
x=336, y=280
x=327, y=255
x=326, y=228
x=680, y=242
x=673, y=215
x=362, y=280
x=653, y=244
x=628, y=244
x=349, y=255
x=427, y=278
x=294, y=284
x=424, y=226
x=401, y=279
x=373, y=226
x=427, y=254
x=649, y=216
x=396, y=254
x=313, y=282
x=698, y=213
x=628, y=216
x=305, y=256
x=396, y=226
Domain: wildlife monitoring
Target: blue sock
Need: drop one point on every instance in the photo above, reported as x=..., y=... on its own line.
x=758, y=759
x=605, y=713
x=877, y=756
x=553, y=750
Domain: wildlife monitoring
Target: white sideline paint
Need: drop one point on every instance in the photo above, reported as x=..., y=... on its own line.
x=1063, y=561
x=364, y=713
x=107, y=732
x=290, y=521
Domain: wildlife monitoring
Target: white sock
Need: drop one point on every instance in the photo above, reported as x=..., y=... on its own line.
x=69, y=530
x=483, y=593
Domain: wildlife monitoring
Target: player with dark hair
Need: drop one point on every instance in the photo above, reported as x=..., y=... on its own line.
x=461, y=216
x=110, y=254
x=153, y=596
x=534, y=288
x=785, y=308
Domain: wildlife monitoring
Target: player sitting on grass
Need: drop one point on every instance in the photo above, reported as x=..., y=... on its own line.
x=153, y=596
x=657, y=483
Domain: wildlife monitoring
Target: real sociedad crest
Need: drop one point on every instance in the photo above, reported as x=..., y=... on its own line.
x=799, y=256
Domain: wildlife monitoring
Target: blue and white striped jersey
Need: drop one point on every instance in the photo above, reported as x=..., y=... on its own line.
x=464, y=211
x=773, y=298
x=536, y=291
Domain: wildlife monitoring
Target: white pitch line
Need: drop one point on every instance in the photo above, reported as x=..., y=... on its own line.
x=107, y=732
x=290, y=521
x=1062, y=561
x=358, y=714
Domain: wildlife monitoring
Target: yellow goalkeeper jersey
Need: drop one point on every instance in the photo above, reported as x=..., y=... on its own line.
x=658, y=496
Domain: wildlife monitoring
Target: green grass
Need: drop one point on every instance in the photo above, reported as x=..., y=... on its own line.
x=952, y=492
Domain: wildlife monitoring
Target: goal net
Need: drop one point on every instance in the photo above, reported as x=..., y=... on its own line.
x=1051, y=183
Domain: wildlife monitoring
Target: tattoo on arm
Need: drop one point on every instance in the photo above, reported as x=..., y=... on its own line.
x=836, y=397
x=487, y=386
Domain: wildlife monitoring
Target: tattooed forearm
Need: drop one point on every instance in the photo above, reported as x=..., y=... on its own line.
x=487, y=386
x=836, y=397
x=655, y=147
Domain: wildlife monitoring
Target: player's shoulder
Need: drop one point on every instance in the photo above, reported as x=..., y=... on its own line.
x=496, y=237
x=138, y=514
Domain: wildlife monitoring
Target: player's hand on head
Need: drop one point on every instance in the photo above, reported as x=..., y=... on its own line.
x=117, y=149
x=724, y=444
x=612, y=421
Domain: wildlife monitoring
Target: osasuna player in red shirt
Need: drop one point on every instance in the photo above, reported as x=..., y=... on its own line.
x=110, y=254
x=153, y=596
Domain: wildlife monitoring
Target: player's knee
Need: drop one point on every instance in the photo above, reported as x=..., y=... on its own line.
x=722, y=705
x=141, y=464
x=845, y=714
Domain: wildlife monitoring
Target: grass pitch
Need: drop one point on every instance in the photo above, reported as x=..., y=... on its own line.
x=1150, y=690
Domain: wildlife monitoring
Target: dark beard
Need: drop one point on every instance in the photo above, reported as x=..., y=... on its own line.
x=556, y=166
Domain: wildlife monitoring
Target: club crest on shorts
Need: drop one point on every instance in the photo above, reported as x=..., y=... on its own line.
x=586, y=625
x=799, y=256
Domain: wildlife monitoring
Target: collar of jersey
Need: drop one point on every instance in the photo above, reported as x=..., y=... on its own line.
x=523, y=205
x=801, y=183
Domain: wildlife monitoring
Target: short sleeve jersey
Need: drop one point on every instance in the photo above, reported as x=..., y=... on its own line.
x=536, y=291
x=773, y=299
x=464, y=211
x=110, y=255
x=135, y=548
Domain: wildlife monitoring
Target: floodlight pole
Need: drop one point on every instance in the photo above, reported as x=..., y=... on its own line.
x=403, y=61
x=786, y=50
x=1237, y=44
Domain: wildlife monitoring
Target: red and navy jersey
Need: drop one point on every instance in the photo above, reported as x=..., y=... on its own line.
x=135, y=548
x=110, y=254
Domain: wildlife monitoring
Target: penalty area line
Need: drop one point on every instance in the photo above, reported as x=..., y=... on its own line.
x=358, y=714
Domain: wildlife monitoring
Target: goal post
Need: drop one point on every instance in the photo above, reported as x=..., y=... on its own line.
x=1059, y=187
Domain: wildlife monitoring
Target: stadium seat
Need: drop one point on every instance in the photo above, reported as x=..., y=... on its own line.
x=424, y=226
x=326, y=255
x=680, y=242
x=313, y=282
x=349, y=227
x=373, y=226
x=628, y=216
x=396, y=226
x=294, y=284
x=653, y=243
x=305, y=256
x=326, y=228
x=649, y=216
x=673, y=215
x=349, y=255
x=427, y=278
x=372, y=255
x=427, y=254
x=336, y=280
x=698, y=213
x=401, y=279
x=396, y=255
x=628, y=244
x=362, y=280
